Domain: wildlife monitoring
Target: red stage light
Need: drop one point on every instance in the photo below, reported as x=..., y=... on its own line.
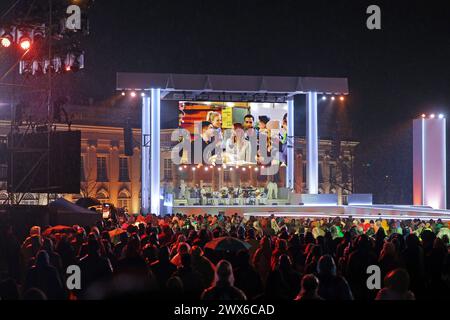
x=6, y=42
x=25, y=43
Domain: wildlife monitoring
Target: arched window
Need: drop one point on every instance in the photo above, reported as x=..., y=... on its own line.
x=124, y=199
x=102, y=196
x=3, y=196
x=29, y=199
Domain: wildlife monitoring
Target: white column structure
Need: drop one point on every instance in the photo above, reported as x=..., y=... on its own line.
x=430, y=163
x=155, y=173
x=312, y=172
x=145, y=156
x=290, y=145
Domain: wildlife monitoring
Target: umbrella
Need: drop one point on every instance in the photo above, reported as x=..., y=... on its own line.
x=87, y=202
x=58, y=229
x=227, y=244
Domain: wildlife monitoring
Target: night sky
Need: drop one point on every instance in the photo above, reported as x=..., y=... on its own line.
x=394, y=74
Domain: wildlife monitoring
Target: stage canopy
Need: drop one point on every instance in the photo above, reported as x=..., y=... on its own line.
x=229, y=87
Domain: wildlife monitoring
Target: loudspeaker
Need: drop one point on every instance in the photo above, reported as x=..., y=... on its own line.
x=128, y=140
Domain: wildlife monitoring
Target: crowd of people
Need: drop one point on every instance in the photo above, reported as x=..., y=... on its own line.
x=283, y=259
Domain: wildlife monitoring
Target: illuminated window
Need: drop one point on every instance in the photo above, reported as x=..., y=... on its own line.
x=167, y=169
x=123, y=170
x=101, y=169
x=102, y=196
x=124, y=199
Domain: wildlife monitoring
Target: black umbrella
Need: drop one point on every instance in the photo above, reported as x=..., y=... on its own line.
x=87, y=202
x=227, y=244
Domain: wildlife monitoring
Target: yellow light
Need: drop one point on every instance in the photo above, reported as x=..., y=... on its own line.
x=341, y=98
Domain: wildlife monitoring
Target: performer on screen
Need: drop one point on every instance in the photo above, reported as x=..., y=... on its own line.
x=283, y=140
x=237, y=145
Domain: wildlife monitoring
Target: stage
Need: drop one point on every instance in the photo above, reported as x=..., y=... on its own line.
x=401, y=212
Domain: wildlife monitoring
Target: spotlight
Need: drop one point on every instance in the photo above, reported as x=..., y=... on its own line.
x=441, y=116
x=142, y=94
x=231, y=169
x=180, y=168
x=206, y=168
x=341, y=98
x=123, y=93
x=333, y=98
x=133, y=94
x=423, y=115
x=25, y=43
x=432, y=116
x=243, y=169
x=256, y=169
x=193, y=168
x=324, y=98
x=6, y=41
x=219, y=169
x=185, y=166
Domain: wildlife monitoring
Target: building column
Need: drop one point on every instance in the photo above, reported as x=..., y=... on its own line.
x=290, y=176
x=155, y=151
x=145, y=156
x=312, y=172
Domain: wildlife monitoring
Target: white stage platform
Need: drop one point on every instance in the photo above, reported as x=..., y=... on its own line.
x=310, y=211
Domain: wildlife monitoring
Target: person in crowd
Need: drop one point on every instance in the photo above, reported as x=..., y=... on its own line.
x=93, y=267
x=389, y=259
x=413, y=260
x=290, y=276
x=223, y=288
x=193, y=285
x=356, y=272
x=162, y=269
x=281, y=248
x=309, y=288
x=262, y=258
x=202, y=265
x=54, y=257
x=246, y=277
x=275, y=288
x=182, y=248
x=331, y=286
x=45, y=277
x=132, y=261
x=396, y=286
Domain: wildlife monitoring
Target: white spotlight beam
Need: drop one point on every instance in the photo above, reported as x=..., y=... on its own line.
x=312, y=173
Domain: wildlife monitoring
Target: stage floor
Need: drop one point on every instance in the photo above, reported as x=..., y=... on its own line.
x=313, y=211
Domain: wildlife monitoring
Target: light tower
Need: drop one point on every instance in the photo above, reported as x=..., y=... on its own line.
x=429, y=162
